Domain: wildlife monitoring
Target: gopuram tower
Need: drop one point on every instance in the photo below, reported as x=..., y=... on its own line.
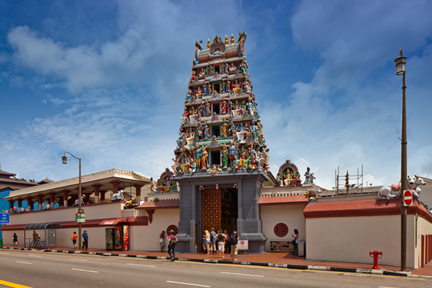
x=221, y=159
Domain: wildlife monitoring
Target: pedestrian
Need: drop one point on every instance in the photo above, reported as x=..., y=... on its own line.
x=85, y=240
x=234, y=245
x=213, y=241
x=162, y=241
x=172, y=239
x=207, y=241
x=15, y=239
x=295, y=241
x=227, y=242
x=220, y=238
x=74, y=239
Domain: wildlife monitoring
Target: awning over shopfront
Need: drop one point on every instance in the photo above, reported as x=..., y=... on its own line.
x=112, y=222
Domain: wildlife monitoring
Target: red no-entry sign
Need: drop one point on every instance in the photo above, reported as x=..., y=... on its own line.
x=408, y=199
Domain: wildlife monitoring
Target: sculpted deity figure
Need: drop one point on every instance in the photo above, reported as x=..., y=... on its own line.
x=198, y=153
x=202, y=73
x=307, y=176
x=229, y=85
x=206, y=132
x=236, y=88
x=225, y=157
x=224, y=128
x=222, y=69
x=196, y=54
x=204, y=158
x=226, y=68
x=232, y=68
x=205, y=91
x=223, y=88
x=193, y=75
x=224, y=107
x=232, y=151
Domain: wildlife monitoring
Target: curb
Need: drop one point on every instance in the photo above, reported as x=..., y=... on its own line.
x=262, y=264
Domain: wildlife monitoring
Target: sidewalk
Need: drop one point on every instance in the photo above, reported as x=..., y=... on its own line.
x=272, y=259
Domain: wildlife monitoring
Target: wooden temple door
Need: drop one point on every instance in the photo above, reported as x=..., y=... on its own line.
x=211, y=209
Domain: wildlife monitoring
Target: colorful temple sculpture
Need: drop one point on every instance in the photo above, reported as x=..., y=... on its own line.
x=221, y=131
x=221, y=158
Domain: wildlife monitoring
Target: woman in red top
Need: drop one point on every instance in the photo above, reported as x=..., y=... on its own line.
x=74, y=239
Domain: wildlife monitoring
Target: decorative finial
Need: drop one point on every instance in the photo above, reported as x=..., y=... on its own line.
x=208, y=43
x=232, y=39
x=226, y=40
x=400, y=52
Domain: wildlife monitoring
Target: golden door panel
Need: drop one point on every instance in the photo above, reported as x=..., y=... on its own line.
x=211, y=209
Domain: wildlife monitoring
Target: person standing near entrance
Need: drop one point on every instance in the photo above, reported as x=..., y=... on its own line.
x=15, y=239
x=171, y=245
x=74, y=239
x=234, y=245
x=295, y=241
x=85, y=240
x=162, y=241
x=213, y=241
x=220, y=238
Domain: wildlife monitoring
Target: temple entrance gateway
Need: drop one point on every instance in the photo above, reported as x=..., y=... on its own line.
x=219, y=209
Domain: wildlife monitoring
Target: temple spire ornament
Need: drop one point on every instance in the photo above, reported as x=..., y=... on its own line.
x=220, y=128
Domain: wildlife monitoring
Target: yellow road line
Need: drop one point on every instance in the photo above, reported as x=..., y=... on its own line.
x=10, y=284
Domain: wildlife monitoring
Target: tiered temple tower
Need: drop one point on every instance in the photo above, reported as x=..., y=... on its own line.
x=221, y=158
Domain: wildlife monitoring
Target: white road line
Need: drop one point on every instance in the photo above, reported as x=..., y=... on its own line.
x=34, y=255
x=23, y=262
x=385, y=287
x=141, y=265
x=90, y=271
x=190, y=284
x=242, y=274
x=77, y=259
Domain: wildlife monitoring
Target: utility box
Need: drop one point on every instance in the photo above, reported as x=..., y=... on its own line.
x=301, y=248
x=1, y=242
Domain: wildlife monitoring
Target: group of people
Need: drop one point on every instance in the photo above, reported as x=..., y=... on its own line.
x=221, y=242
x=84, y=239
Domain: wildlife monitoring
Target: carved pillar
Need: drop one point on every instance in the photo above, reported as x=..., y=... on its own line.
x=29, y=203
x=115, y=185
x=102, y=195
x=138, y=192
x=11, y=206
x=19, y=204
x=65, y=198
x=87, y=197
x=96, y=188
x=52, y=194
x=39, y=202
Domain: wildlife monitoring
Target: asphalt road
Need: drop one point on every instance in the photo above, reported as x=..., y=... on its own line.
x=39, y=269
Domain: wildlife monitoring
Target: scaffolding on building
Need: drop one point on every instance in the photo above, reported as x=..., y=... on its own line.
x=346, y=187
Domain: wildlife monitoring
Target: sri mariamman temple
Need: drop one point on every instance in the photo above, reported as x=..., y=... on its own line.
x=220, y=179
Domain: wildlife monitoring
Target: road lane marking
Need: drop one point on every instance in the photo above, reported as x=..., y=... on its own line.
x=24, y=262
x=190, y=284
x=253, y=275
x=141, y=265
x=14, y=285
x=83, y=270
x=77, y=259
x=34, y=255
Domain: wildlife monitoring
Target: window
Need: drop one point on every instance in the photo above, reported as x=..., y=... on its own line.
x=281, y=229
x=216, y=108
x=215, y=158
x=216, y=87
x=215, y=131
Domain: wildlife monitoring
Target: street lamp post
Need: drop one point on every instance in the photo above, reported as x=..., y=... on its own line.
x=64, y=160
x=400, y=63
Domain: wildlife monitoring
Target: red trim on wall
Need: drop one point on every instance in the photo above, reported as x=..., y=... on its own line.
x=374, y=207
x=131, y=221
x=283, y=200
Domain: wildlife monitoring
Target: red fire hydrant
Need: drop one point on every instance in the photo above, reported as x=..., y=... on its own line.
x=375, y=254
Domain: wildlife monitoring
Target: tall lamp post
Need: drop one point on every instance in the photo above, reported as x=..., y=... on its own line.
x=64, y=160
x=400, y=70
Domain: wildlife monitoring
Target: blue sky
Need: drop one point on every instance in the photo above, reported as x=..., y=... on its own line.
x=106, y=80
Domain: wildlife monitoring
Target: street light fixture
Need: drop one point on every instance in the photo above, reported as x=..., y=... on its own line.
x=64, y=161
x=400, y=63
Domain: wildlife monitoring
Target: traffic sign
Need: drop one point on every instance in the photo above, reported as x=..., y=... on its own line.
x=80, y=217
x=4, y=218
x=408, y=198
x=80, y=210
